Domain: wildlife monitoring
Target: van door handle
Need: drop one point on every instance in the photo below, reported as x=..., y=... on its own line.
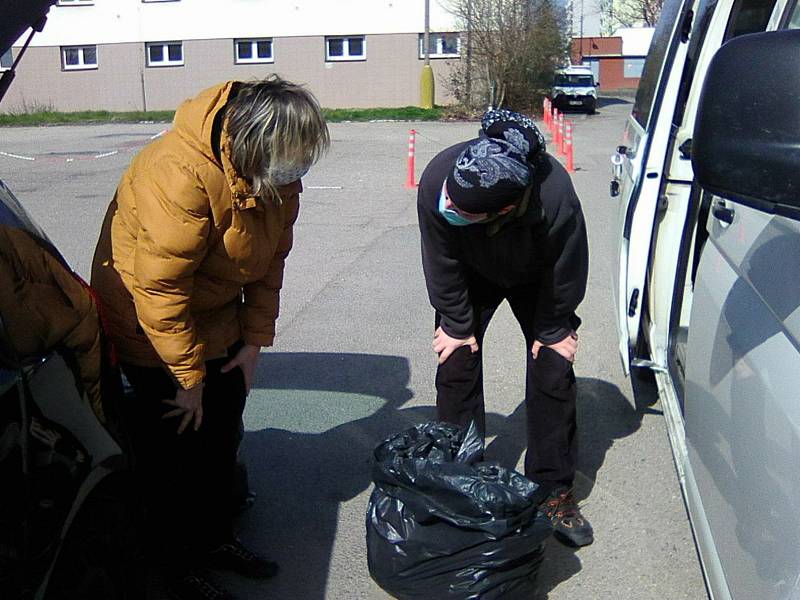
x=686, y=149
x=722, y=212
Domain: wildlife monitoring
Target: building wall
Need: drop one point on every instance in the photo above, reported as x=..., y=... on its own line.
x=41, y=84
x=595, y=46
x=608, y=53
x=612, y=75
x=120, y=21
x=120, y=28
x=390, y=75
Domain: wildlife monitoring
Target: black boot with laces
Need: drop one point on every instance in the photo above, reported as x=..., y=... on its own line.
x=570, y=527
x=196, y=585
x=234, y=556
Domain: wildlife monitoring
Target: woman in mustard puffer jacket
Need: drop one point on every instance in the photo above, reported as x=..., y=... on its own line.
x=189, y=266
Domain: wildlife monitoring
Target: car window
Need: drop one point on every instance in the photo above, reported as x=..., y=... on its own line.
x=657, y=59
x=702, y=19
x=574, y=80
x=794, y=18
x=13, y=215
x=749, y=16
x=6, y=60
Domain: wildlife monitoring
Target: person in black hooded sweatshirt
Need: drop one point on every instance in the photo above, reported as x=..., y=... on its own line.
x=499, y=220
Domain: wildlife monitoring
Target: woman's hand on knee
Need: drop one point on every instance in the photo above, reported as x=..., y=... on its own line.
x=444, y=345
x=247, y=359
x=188, y=404
x=568, y=347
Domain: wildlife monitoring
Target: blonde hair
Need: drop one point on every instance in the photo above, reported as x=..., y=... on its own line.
x=273, y=122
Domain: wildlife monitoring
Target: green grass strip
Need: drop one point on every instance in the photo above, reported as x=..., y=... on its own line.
x=406, y=113
x=333, y=115
x=83, y=117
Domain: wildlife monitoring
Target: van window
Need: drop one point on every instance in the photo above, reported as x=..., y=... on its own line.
x=749, y=16
x=657, y=59
x=794, y=19
x=705, y=11
x=568, y=80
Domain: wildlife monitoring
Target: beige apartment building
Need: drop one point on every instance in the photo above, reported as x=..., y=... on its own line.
x=152, y=54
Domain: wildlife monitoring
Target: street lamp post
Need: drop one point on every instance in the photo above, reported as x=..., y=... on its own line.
x=468, y=70
x=426, y=82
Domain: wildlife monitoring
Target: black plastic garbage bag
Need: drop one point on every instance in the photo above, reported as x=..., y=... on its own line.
x=444, y=524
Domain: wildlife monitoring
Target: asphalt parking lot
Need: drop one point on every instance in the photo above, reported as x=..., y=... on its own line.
x=352, y=361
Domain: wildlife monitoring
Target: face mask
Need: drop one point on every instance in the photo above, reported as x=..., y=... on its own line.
x=284, y=174
x=452, y=216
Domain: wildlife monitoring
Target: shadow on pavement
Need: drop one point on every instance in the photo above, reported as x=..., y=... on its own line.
x=329, y=411
x=311, y=462
x=604, y=415
x=604, y=101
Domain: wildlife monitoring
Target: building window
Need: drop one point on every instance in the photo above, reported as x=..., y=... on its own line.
x=75, y=2
x=353, y=47
x=443, y=45
x=633, y=67
x=253, y=51
x=6, y=60
x=594, y=65
x=164, y=54
x=77, y=58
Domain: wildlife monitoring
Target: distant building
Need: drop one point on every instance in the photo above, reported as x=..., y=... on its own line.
x=152, y=54
x=616, y=61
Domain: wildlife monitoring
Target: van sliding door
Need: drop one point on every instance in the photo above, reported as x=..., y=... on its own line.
x=742, y=377
x=642, y=162
x=733, y=18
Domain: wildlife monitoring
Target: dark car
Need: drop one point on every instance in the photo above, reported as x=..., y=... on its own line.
x=67, y=499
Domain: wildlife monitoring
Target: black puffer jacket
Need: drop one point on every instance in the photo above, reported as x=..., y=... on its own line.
x=545, y=245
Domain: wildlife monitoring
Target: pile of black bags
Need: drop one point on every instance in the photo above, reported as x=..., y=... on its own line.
x=442, y=524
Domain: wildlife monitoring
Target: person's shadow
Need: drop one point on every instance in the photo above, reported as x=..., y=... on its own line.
x=312, y=422
x=604, y=415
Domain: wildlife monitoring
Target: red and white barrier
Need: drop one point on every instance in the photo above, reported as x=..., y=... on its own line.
x=410, y=177
x=546, y=112
x=568, y=149
x=559, y=134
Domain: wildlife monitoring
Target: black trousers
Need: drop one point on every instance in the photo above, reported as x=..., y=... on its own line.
x=550, y=390
x=186, y=479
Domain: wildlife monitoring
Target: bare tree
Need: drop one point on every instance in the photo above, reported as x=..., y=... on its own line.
x=510, y=49
x=628, y=13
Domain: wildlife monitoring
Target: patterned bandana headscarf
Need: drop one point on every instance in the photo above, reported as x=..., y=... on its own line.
x=494, y=170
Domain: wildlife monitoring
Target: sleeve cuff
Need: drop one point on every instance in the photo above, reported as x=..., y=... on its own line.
x=259, y=339
x=191, y=379
x=458, y=335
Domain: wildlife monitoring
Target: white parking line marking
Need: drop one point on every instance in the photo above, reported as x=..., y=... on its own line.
x=19, y=156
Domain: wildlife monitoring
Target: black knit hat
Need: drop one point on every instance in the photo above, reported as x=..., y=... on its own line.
x=494, y=170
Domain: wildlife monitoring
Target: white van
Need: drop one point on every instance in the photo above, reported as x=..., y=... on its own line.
x=574, y=88
x=708, y=290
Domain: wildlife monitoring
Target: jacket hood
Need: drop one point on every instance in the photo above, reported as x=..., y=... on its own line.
x=194, y=118
x=194, y=122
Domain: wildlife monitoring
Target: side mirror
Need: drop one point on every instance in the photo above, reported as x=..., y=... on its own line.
x=746, y=142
